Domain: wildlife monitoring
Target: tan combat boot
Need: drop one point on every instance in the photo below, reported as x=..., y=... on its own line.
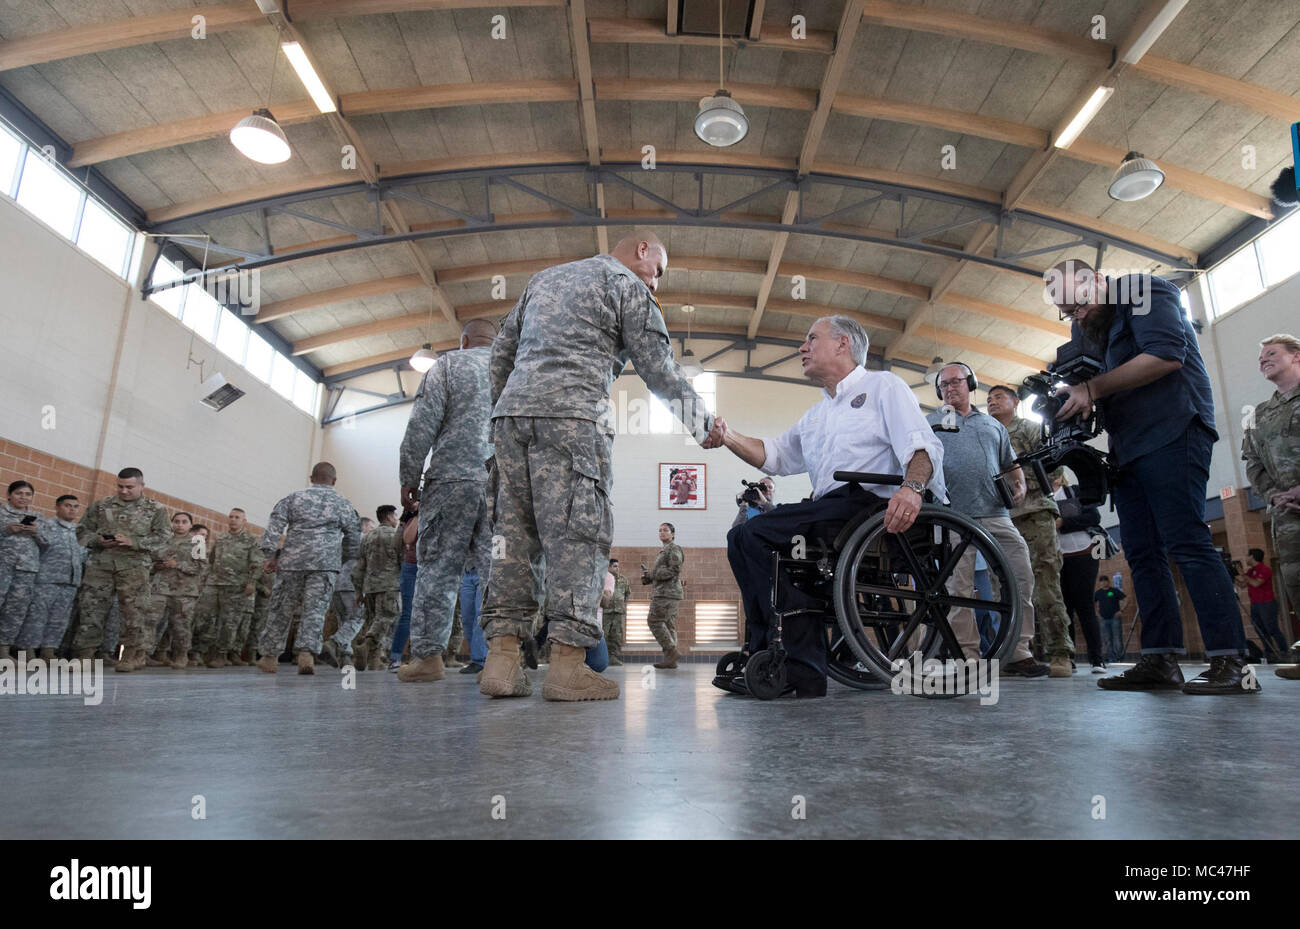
x=376, y=662
x=214, y=659
x=195, y=660
x=569, y=678
x=450, y=661
x=86, y=656
x=670, y=658
x=268, y=663
x=502, y=674
x=126, y=663
x=236, y=660
x=422, y=669
x=47, y=654
x=306, y=662
x=179, y=661
x=4, y=653
x=1288, y=672
x=1061, y=667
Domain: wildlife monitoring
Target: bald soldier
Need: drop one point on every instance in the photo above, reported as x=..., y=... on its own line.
x=123, y=533
x=1271, y=450
x=572, y=332
x=320, y=531
x=450, y=419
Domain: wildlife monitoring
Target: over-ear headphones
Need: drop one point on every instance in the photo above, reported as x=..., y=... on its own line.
x=971, y=381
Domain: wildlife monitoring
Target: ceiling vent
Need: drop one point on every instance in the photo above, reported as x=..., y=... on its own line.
x=216, y=394
x=700, y=17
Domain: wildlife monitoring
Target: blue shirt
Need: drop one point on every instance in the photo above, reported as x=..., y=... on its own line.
x=1149, y=319
x=979, y=449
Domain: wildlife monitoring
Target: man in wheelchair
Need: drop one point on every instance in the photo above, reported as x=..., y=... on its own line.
x=867, y=421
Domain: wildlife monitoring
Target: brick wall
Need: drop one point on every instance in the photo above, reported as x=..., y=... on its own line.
x=53, y=477
x=706, y=575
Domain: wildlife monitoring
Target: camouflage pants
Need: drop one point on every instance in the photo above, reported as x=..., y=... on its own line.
x=454, y=532
x=48, y=616
x=457, y=637
x=224, y=608
x=257, y=622
x=1286, y=542
x=295, y=591
x=612, y=625
x=100, y=583
x=662, y=620
x=175, y=615
x=16, y=590
x=550, y=480
x=1051, y=622
x=350, y=619
x=383, y=610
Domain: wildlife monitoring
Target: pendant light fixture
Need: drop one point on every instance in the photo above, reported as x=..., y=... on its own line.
x=425, y=356
x=259, y=137
x=721, y=121
x=690, y=367
x=1137, y=175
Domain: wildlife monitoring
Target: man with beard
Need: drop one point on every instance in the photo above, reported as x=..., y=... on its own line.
x=1155, y=399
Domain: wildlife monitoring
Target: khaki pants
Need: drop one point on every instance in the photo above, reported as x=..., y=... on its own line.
x=962, y=584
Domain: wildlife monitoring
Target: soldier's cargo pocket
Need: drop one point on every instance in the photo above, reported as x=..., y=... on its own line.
x=590, y=516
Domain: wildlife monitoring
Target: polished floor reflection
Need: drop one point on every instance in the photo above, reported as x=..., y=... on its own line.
x=302, y=757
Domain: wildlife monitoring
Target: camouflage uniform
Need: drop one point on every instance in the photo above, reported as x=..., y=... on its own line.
x=666, y=595
x=1035, y=520
x=176, y=591
x=450, y=417
x=262, y=598
x=377, y=577
x=553, y=365
x=1271, y=450
x=234, y=563
x=56, y=586
x=343, y=604
x=614, y=616
x=20, y=560
x=320, y=530
x=119, y=572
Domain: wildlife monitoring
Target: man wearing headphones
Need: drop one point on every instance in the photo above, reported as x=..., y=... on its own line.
x=975, y=448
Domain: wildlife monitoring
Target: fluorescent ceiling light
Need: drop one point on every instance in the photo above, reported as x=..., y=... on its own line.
x=1083, y=117
x=307, y=74
x=1133, y=53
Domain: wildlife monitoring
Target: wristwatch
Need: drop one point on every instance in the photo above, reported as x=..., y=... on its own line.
x=916, y=486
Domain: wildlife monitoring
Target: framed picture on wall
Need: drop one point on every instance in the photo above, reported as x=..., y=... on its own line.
x=682, y=486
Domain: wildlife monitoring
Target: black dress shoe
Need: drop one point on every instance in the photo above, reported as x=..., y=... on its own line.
x=1152, y=672
x=472, y=668
x=806, y=681
x=1225, y=675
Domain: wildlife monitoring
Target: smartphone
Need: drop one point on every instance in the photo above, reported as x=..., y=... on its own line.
x=28, y=520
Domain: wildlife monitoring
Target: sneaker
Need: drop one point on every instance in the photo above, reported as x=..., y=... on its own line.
x=472, y=668
x=1026, y=667
x=394, y=665
x=1099, y=668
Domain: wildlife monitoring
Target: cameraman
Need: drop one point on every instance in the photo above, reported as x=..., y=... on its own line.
x=1155, y=399
x=755, y=501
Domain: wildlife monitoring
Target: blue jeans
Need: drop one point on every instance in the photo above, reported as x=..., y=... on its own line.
x=598, y=656
x=983, y=618
x=1161, y=502
x=471, y=605
x=1263, y=616
x=1112, y=637
x=403, y=630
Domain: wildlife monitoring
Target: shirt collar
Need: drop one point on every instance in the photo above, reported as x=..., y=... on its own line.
x=846, y=384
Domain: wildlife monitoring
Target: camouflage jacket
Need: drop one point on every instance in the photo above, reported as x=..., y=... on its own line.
x=666, y=573
x=235, y=559
x=143, y=521
x=62, y=557
x=184, y=580
x=451, y=416
x=1271, y=447
x=618, y=599
x=320, y=530
x=379, y=566
x=572, y=332
x=20, y=550
x=1027, y=436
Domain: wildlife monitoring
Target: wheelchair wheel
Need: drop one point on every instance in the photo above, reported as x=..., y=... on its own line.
x=730, y=664
x=891, y=598
x=763, y=676
x=844, y=667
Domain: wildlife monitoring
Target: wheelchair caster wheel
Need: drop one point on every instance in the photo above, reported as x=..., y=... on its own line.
x=764, y=677
x=730, y=664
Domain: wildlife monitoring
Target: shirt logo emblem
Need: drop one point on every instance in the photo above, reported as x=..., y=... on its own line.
x=858, y=401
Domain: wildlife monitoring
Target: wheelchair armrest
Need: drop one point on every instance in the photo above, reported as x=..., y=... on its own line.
x=866, y=477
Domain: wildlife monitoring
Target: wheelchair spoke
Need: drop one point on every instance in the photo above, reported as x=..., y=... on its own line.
x=970, y=603
x=951, y=564
x=894, y=593
x=915, y=568
x=896, y=647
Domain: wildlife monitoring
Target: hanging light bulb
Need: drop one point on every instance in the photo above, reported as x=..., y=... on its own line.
x=721, y=121
x=424, y=358
x=936, y=365
x=690, y=367
x=260, y=138
x=1136, y=177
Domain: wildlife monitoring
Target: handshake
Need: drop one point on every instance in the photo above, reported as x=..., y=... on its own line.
x=718, y=435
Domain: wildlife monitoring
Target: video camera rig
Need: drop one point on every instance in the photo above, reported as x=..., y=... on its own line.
x=750, y=496
x=1065, y=443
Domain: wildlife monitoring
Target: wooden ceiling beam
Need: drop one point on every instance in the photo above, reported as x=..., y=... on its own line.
x=606, y=31
x=992, y=349
x=373, y=288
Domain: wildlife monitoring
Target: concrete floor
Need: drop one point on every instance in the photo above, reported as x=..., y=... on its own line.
x=300, y=757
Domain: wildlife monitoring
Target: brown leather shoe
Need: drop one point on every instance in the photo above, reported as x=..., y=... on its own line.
x=569, y=679
x=306, y=662
x=422, y=669
x=268, y=663
x=502, y=674
x=1290, y=672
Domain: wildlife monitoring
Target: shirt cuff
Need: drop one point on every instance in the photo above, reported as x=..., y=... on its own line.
x=769, y=457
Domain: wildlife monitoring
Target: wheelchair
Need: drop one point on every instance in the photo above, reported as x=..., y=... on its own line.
x=882, y=596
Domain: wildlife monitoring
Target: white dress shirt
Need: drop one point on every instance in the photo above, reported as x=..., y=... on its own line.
x=873, y=423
